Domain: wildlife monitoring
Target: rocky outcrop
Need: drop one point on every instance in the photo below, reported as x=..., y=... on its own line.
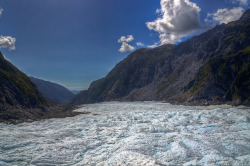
x=211, y=68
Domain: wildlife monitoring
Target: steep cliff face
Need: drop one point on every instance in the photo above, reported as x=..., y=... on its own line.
x=53, y=91
x=134, y=72
x=212, y=67
x=213, y=61
x=16, y=89
x=224, y=78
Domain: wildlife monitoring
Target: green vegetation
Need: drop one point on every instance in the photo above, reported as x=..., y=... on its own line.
x=232, y=70
x=15, y=80
x=240, y=88
x=203, y=76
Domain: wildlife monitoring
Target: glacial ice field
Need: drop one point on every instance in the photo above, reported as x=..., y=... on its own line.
x=132, y=133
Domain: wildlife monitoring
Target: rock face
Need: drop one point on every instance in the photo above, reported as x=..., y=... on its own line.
x=210, y=68
x=16, y=89
x=53, y=91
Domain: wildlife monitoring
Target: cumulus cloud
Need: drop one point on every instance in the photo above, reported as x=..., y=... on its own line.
x=125, y=46
x=7, y=42
x=139, y=44
x=125, y=39
x=225, y=15
x=177, y=19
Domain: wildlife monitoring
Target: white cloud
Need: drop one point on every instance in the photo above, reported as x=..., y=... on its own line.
x=126, y=47
x=1, y=11
x=240, y=2
x=139, y=44
x=154, y=45
x=226, y=15
x=178, y=18
x=7, y=42
x=125, y=39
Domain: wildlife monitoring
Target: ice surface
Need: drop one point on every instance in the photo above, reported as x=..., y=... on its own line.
x=136, y=133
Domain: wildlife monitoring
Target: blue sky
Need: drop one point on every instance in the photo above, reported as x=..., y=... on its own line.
x=74, y=42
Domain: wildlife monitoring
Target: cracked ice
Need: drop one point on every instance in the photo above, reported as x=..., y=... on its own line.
x=132, y=133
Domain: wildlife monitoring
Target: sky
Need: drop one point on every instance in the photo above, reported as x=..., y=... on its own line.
x=74, y=42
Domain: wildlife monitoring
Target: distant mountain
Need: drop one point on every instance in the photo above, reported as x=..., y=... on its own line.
x=20, y=99
x=75, y=91
x=211, y=68
x=16, y=89
x=53, y=91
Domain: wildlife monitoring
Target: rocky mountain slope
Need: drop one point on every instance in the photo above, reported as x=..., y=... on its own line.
x=16, y=89
x=211, y=68
x=53, y=91
x=20, y=100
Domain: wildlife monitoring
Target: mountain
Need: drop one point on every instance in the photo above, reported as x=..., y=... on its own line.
x=211, y=68
x=16, y=89
x=53, y=91
x=20, y=99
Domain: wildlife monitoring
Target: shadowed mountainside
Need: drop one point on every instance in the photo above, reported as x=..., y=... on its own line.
x=16, y=88
x=53, y=91
x=211, y=68
x=20, y=100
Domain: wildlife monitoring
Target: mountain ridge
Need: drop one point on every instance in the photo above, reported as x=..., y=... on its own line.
x=20, y=99
x=53, y=91
x=16, y=88
x=171, y=73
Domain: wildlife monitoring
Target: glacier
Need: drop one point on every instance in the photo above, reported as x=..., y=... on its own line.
x=131, y=133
